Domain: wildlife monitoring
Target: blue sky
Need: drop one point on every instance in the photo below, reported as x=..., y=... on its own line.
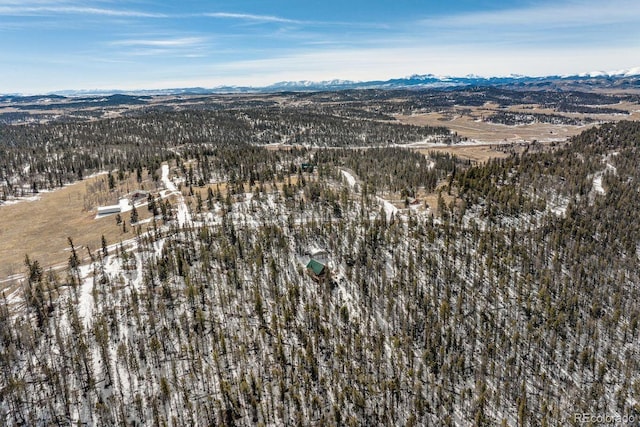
x=48, y=45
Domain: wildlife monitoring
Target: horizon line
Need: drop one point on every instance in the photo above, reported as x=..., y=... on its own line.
x=630, y=72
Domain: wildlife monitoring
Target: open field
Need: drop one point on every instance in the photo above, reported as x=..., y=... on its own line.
x=41, y=228
x=475, y=153
x=475, y=129
x=468, y=122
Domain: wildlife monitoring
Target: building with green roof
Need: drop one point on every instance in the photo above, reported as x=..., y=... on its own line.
x=317, y=268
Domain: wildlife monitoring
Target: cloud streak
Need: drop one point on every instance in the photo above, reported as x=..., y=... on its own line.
x=281, y=20
x=75, y=10
x=159, y=49
x=170, y=42
x=251, y=17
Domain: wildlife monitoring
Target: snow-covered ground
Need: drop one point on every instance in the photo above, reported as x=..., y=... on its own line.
x=85, y=305
x=597, y=178
x=125, y=205
x=149, y=338
x=557, y=204
x=389, y=208
x=13, y=201
x=350, y=178
x=597, y=184
x=184, y=216
x=165, y=179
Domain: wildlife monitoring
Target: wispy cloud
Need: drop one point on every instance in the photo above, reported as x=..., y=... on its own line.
x=31, y=2
x=252, y=18
x=167, y=43
x=161, y=47
x=248, y=17
x=16, y=10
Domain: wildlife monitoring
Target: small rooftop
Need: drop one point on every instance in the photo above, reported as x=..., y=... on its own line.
x=316, y=266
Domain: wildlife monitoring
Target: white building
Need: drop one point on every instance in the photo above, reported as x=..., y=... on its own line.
x=107, y=210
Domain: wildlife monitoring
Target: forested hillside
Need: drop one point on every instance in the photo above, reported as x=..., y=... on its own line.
x=515, y=303
x=47, y=156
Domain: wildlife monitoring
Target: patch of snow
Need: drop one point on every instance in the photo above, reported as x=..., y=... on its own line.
x=144, y=221
x=559, y=210
x=14, y=297
x=597, y=184
x=20, y=199
x=13, y=278
x=350, y=178
x=559, y=206
x=165, y=179
x=125, y=205
x=93, y=175
x=389, y=208
x=184, y=216
x=597, y=178
x=85, y=303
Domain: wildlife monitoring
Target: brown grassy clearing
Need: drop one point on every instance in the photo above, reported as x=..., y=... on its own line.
x=431, y=199
x=474, y=128
x=467, y=122
x=475, y=153
x=41, y=228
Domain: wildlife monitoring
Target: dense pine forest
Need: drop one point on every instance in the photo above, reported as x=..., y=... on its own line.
x=514, y=301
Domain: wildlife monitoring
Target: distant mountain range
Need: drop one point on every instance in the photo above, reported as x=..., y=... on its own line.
x=621, y=80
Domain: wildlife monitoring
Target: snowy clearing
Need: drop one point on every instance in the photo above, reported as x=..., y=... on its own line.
x=389, y=208
x=184, y=216
x=350, y=178
x=85, y=305
x=597, y=184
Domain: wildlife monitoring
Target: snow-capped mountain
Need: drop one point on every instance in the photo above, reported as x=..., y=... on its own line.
x=619, y=73
x=430, y=81
x=625, y=78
